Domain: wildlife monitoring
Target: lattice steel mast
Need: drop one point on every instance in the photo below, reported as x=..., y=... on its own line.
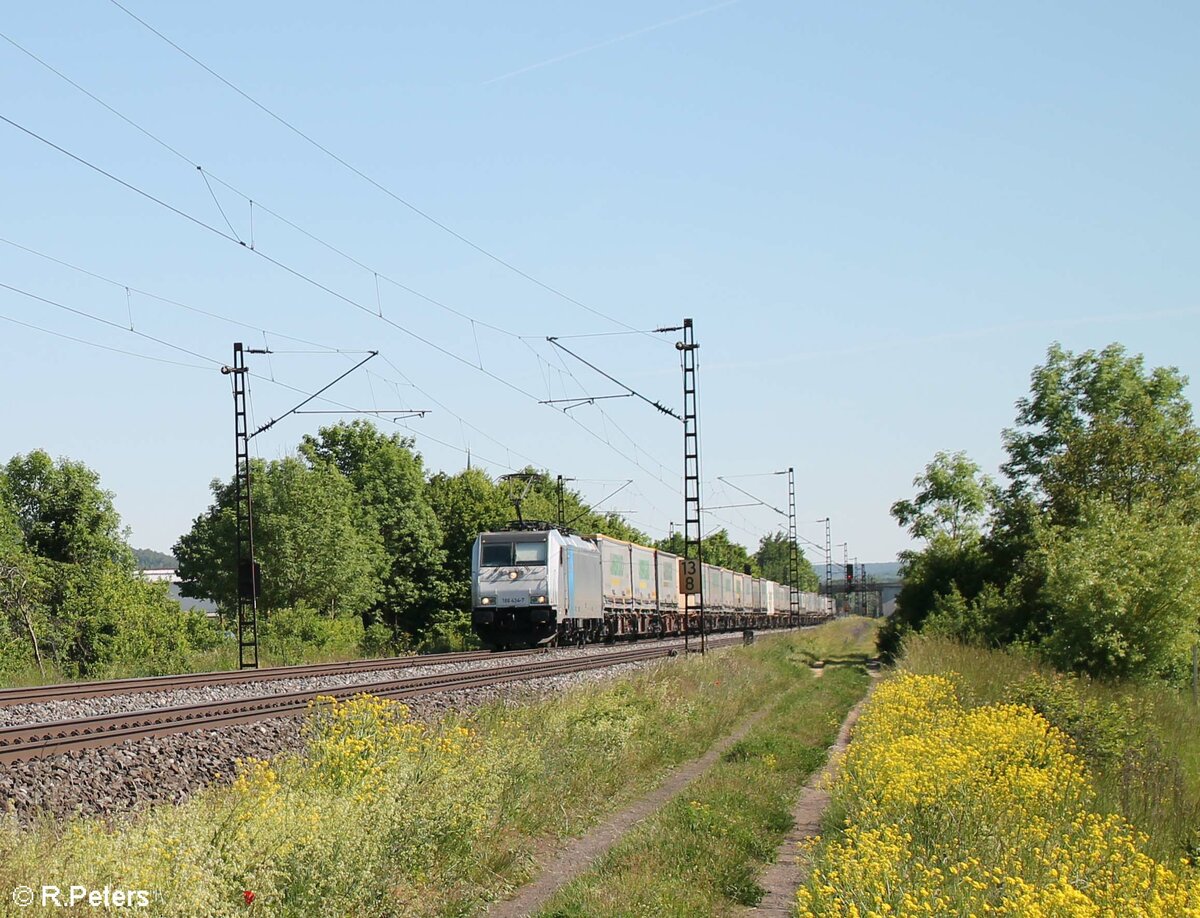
x=692, y=531
x=828, y=569
x=793, y=546
x=247, y=569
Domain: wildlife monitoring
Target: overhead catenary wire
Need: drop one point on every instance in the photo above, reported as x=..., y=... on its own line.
x=349, y=300
x=315, y=347
x=425, y=215
x=110, y=323
x=104, y=347
x=752, y=496
x=378, y=275
x=295, y=272
x=271, y=423
x=251, y=203
x=211, y=360
x=318, y=348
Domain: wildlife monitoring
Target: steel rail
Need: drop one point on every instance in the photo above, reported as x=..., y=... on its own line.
x=67, y=691
x=33, y=741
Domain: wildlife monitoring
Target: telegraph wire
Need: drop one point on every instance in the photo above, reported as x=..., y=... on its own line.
x=375, y=183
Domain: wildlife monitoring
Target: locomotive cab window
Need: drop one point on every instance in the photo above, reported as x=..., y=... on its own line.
x=510, y=554
x=529, y=553
x=496, y=554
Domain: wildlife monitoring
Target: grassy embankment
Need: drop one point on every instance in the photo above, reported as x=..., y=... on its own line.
x=980, y=782
x=386, y=816
x=701, y=853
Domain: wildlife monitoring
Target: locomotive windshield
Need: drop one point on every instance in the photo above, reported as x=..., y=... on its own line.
x=509, y=554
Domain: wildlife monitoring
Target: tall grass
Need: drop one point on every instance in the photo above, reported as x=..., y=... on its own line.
x=844, y=640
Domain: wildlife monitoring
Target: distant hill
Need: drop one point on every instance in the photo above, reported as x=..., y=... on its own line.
x=149, y=559
x=884, y=570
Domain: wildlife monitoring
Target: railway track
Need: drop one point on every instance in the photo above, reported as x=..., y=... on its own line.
x=69, y=691
x=32, y=741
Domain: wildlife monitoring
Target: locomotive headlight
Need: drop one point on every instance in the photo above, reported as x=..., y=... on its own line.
x=540, y=599
x=485, y=600
x=512, y=575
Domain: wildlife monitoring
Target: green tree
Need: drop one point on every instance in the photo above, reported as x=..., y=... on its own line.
x=947, y=512
x=22, y=606
x=465, y=504
x=772, y=560
x=68, y=593
x=1120, y=586
x=1098, y=426
x=537, y=492
x=952, y=500
x=389, y=478
x=108, y=623
x=935, y=578
x=309, y=537
x=63, y=513
x=718, y=549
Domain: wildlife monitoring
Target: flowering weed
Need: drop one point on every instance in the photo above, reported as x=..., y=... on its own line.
x=957, y=811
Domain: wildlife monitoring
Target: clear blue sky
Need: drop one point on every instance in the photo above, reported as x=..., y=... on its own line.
x=879, y=216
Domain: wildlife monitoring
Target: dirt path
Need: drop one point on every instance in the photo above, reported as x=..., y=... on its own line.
x=579, y=854
x=783, y=878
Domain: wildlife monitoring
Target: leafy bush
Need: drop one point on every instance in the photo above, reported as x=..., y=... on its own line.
x=379, y=640
x=299, y=633
x=1102, y=731
x=449, y=631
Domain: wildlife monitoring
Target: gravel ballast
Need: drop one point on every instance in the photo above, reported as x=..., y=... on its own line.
x=45, y=712
x=113, y=780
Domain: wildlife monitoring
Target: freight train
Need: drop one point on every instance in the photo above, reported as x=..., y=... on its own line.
x=545, y=586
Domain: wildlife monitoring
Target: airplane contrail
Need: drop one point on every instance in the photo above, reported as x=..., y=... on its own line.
x=612, y=41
